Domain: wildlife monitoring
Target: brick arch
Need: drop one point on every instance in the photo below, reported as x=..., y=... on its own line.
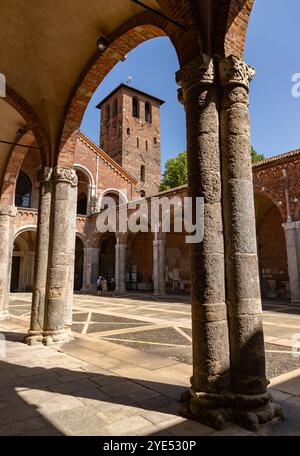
x=143, y=27
x=33, y=123
x=231, y=27
x=262, y=191
x=13, y=167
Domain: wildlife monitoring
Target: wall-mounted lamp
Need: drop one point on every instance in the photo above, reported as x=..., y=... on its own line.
x=102, y=43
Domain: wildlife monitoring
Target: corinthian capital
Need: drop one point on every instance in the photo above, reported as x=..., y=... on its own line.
x=66, y=175
x=198, y=71
x=234, y=71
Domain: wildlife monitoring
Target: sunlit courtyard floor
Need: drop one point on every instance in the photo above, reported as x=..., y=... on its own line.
x=163, y=326
x=124, y=372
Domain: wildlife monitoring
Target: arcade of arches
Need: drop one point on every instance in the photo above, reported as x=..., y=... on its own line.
x=55, y=169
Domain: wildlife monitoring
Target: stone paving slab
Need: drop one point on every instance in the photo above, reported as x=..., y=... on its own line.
x=94, y=387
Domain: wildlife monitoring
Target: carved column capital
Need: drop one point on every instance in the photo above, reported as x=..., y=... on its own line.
x=44, y=174
x=198, y=71
x=9, y=211
x=233, y=71
x=66, y=175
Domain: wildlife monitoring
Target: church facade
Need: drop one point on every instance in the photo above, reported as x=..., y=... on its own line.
x=127, y=167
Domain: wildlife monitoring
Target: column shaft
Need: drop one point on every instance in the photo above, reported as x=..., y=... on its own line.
x=120, y=268
x=56, y=326
x=35, y=333
x=159, y=267
x=251, y=405
x=90, y=269
x=7, y=214
x=209, y=320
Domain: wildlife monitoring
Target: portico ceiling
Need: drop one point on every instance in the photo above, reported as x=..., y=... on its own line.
x=45, y=45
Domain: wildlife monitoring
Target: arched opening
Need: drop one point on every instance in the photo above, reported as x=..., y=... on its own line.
x=177, y=263
x=135, y=107
x=112, y=194
x=107, y=259
x=272, y=254
x=83, y=192
x=148, y=112
x=140, y=266
x=23, y=191
x=23, y=262
x=78, y=266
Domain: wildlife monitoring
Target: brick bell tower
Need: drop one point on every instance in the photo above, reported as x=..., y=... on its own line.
x=130, y=134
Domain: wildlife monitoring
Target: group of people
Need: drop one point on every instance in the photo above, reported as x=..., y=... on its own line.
x=104, y=285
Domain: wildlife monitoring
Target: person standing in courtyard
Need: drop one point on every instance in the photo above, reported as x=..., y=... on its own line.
x=99, y=285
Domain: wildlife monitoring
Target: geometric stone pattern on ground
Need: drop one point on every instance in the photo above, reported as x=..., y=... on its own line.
x=119, y=319
x=48, y=392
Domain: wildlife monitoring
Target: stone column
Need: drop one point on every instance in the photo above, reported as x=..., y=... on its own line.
x=250, y=403
x=60, y=267
x=159, y=267
x=292, y=236
x=210, y=380
x=120, y=268
x=90, y=269
x=7, y=214
x=71, y=253
x=35, y=333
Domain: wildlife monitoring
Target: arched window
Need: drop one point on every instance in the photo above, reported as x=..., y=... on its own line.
x=82, y=204
x=155, y=140
x=115, y=110
x=135, y=107
x=23, y=191
x=148, y=112
x=107, y=113
x=143, y=173
x=137, y=142
x=146, y=145
x=128, y=131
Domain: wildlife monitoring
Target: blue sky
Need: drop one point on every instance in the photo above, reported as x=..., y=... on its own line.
x=272, y=47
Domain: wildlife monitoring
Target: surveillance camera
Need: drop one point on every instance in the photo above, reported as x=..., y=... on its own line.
x=102, y=43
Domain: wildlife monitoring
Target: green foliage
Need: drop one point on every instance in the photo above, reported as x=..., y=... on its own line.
x=255, y=156
x=175, y=172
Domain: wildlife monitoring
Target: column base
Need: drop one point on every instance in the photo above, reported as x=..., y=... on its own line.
x=249, y=412
x=57, y=337
x=4, y=315
x=33, y=337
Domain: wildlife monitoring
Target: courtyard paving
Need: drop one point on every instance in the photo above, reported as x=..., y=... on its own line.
x=163, y=326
